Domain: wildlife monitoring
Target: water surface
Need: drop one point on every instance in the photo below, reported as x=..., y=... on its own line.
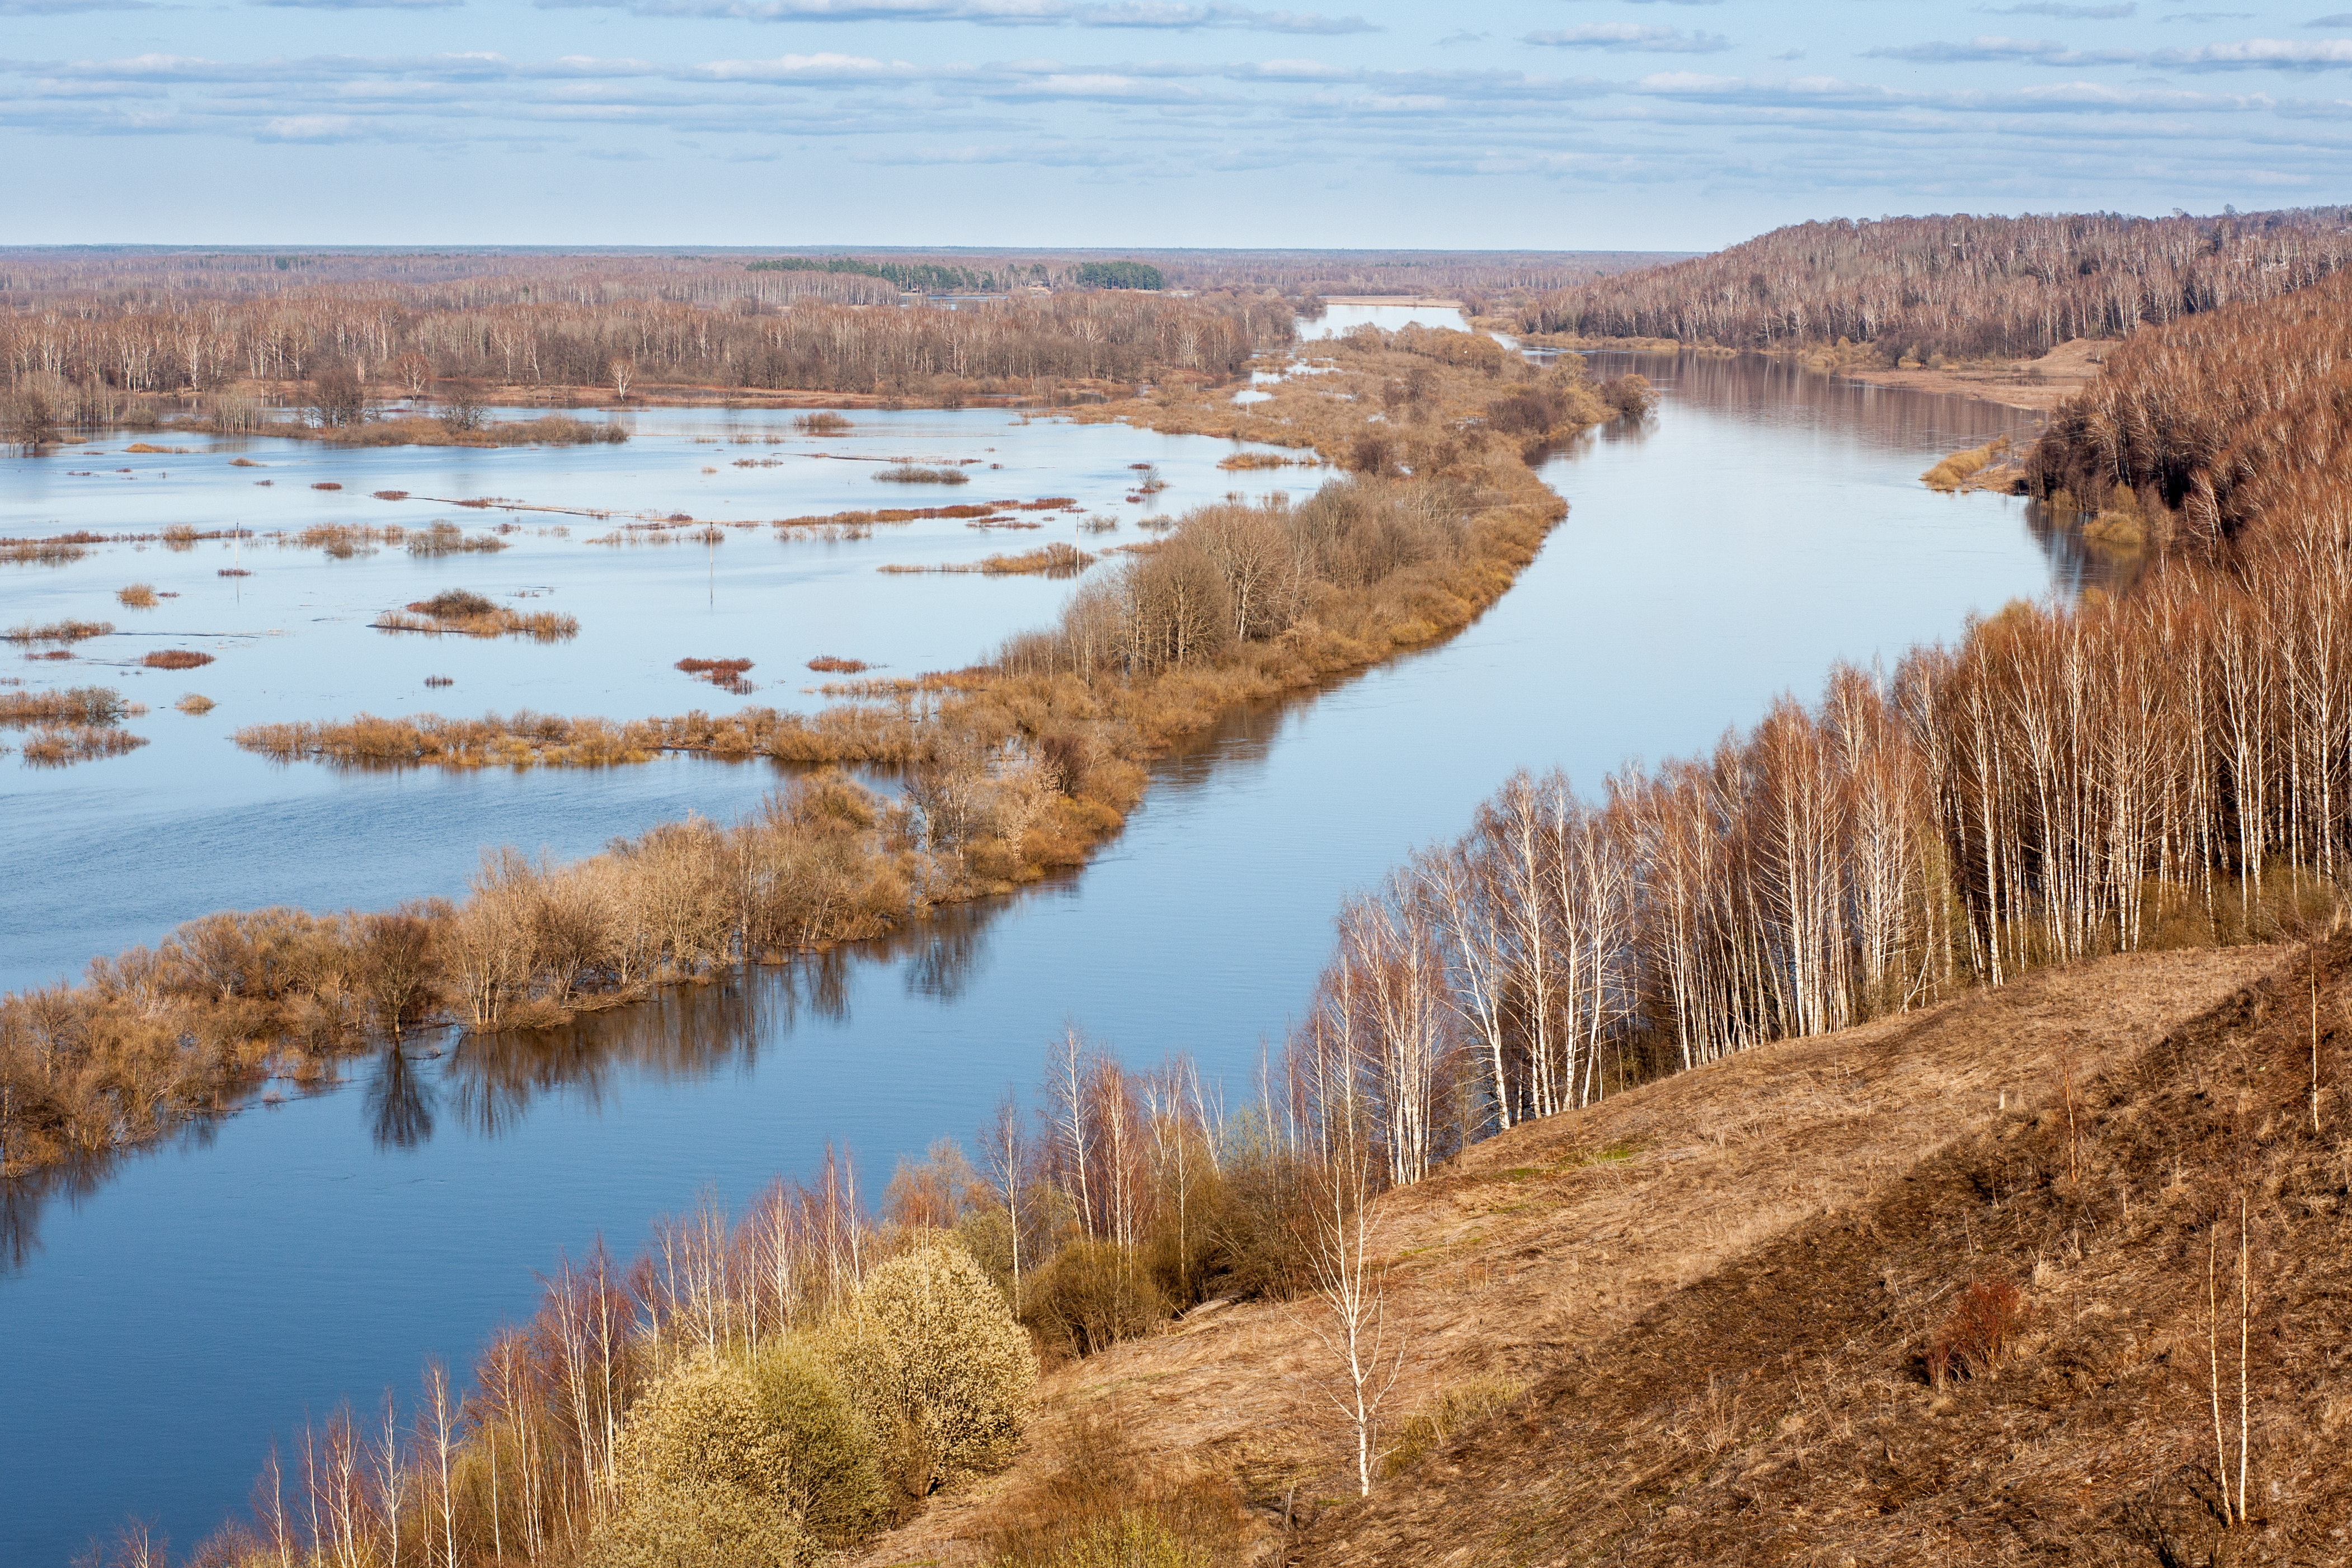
x=187, y=1304
x=113, y=853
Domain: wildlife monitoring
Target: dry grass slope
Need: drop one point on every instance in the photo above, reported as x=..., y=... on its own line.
x=1719, y=1290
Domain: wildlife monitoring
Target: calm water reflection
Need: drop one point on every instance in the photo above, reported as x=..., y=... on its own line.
x=171, y=1317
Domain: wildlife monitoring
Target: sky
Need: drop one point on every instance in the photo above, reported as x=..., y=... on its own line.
x=1529, y=124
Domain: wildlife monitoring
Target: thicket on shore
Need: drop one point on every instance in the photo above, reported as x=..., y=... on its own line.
x=1965, y=286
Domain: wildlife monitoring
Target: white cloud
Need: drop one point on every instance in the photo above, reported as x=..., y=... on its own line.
x=2260, y=54
x=1630, y=38
x=1992, y=48
x=1167, y=15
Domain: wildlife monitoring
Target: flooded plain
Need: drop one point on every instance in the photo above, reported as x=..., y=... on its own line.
x=171, y=1314
x=105, y=854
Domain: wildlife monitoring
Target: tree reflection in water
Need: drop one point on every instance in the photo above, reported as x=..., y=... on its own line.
x=399, y=1103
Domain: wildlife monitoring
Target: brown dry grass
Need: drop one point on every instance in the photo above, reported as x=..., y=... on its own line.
x=2039, y=384
x=1780, y=1410
x=1053, y=559
x=1613, y=1260
x=1985, y=467
x=458, y=611
x=61, y=746
x=176, y=659
x=60, y=631
x=137, y=596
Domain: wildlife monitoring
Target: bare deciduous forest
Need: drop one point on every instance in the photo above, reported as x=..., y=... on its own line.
x=102, y=277
x=86, y=362
x=1960, y=287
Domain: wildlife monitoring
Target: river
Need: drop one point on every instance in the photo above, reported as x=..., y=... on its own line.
x=167, y=1317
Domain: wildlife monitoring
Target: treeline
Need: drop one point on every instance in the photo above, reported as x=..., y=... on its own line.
x=1119, y=337
x=2214, y=424
x=1962, y=287
x=926, y=276
x=1009, y=770
x=93, y=280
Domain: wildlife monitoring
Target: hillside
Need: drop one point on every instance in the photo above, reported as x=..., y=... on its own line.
x=2212, y=424
x=1913, y=289
x=1703, y=1306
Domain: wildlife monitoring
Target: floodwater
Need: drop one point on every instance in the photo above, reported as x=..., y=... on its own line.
x=167, y=1317
x=105, y=854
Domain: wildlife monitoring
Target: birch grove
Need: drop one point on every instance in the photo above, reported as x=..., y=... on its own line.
x=2166, y=767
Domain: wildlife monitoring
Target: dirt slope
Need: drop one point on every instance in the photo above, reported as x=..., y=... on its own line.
x=1780, y=1411
x=1716, y=1292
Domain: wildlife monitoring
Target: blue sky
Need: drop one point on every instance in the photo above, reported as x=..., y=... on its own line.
x=1551, y=124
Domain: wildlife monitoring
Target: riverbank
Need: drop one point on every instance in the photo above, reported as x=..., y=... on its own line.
x=1017, y=768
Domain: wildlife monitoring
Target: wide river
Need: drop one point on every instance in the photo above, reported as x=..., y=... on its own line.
x=166, y=1318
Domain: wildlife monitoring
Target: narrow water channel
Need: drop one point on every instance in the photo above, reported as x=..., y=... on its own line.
x=167, y=1318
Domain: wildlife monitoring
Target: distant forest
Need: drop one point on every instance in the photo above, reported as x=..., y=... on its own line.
x=119, y=278
x=421, y=336
x=1961, y=286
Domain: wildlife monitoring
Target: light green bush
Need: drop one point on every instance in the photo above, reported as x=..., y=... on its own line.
x=966, y=1375
x=833, y=1454
x=705, y=1480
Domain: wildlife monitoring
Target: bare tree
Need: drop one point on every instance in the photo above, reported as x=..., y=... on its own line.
x=1350, y=1286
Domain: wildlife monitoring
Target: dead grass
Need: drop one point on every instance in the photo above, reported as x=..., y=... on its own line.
x=1054, y=559
x=913, y=474
x=39, y=552
x=195, y=704
x=444, y=537
x=727, y=675
x=1985, y=467
x=61, y=746
x=1637, y=1267
x=60, y=631
x=176, y=659
x=831, y=664
x=457, y=612
x=74, y=705
x=138, y=596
